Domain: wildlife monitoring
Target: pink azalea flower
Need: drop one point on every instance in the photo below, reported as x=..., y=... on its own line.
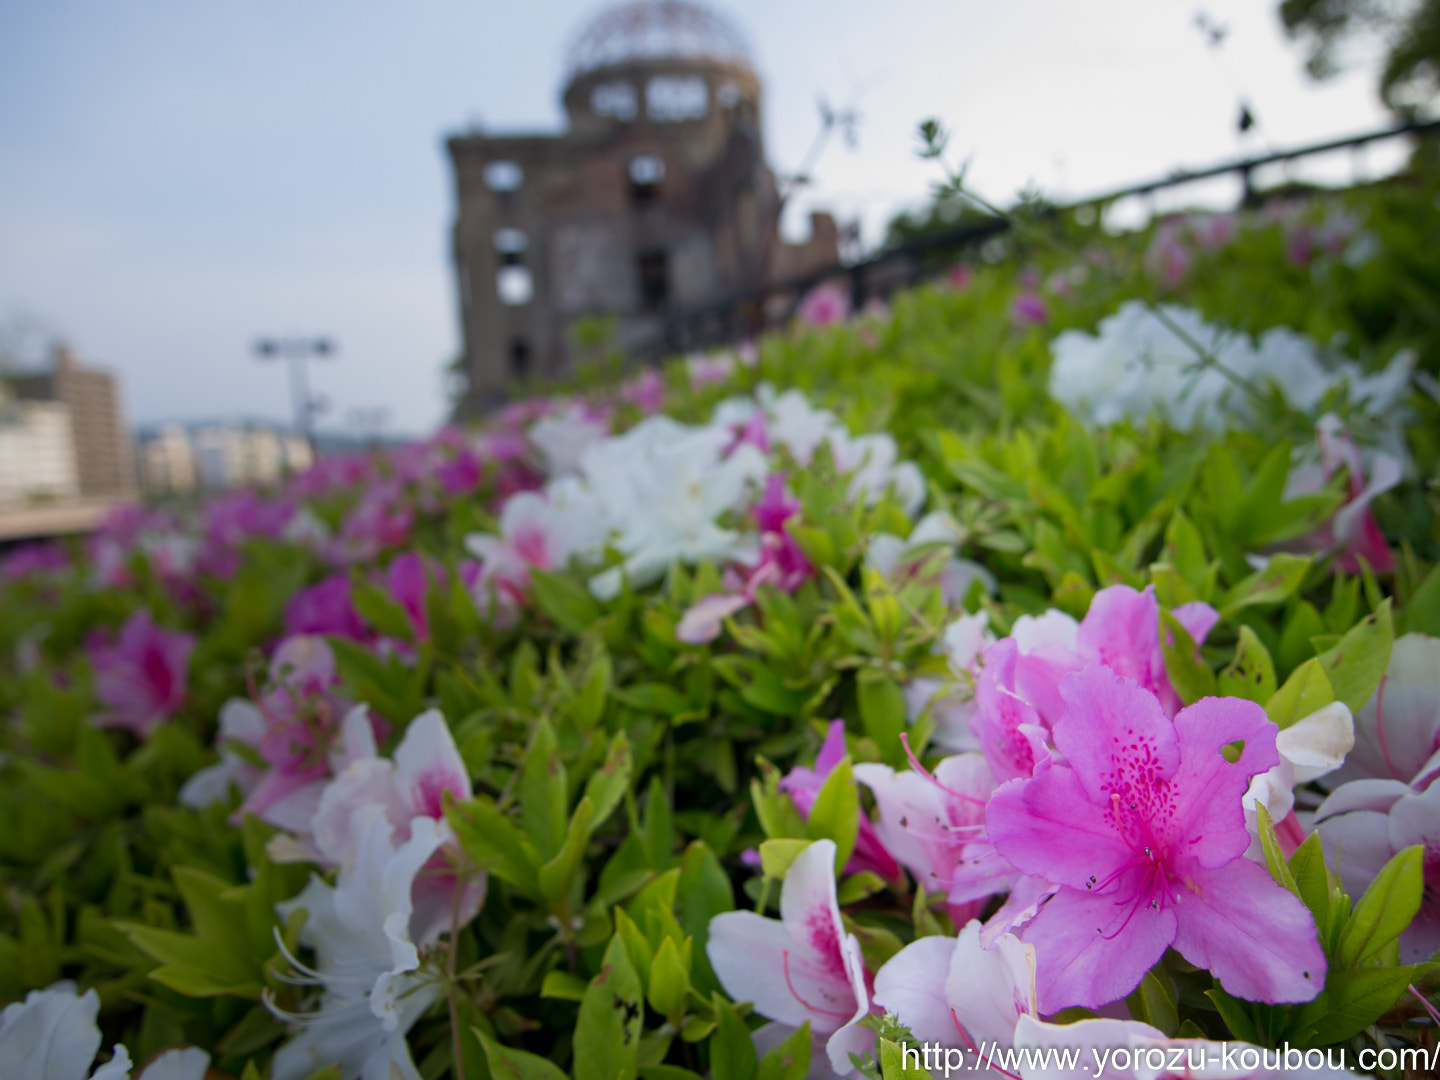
x=803, y=786
x=1363, y=824
x=426, y=765
x=1143, y=828
x=960, y=276
x=307, y=734
x=782, y=565
x=1353, y=531
x=142, y=678
x=803, y=966
x=1168, y=258
x=646, y=391
x=1397, y=732
x=325, y=608
x=380, y=520
x=1122, y=631
x=540, y=530
x=824, y=305
x=934, y=825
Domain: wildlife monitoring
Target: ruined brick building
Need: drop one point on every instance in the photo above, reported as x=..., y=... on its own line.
x=655, y=200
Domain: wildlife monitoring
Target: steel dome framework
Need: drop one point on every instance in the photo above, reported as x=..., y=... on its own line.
x=653, y=30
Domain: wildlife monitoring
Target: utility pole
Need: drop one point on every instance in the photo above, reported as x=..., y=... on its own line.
x=296, y=350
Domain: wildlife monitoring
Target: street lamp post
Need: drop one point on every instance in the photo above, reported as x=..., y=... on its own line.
x=296, y=350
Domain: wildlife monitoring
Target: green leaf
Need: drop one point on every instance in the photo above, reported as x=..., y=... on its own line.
x=566, y=601
x=1184, y=549
x=732, y=1054
x=563, y=986
x=759, y=685
x=1313, y=883
x=1352, y=1000
x=1251, y=675
x=1307, y=689
x=1235, y=1014
x=493, y=841
x=669, y=981
x=607, y=784
x=791, y=1059
x=216, y=959
x=607, y=1032
x=1272, y=585
x=1422, y=610
x=543, y=792
x=835, y=814
x=558, y=875
x=1274, y=856
x=882, y=710
x=1153, y=1002
x=510, y=1064
x=777, y=813
x=1356, y=664
x=375, y=606
x=1389, y=905
x=893, y=1065
x=1189, y=675
x=653, y=697
x=777, y=855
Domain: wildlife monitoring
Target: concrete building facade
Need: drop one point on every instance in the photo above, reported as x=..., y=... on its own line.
x=104, y=460
x=655, y=200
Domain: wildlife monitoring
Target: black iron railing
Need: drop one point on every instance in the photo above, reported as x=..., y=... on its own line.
x=735, y=317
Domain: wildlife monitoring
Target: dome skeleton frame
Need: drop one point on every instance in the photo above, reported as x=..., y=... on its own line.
x=652, y=30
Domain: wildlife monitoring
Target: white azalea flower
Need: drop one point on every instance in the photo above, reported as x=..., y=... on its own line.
x=666, y=487
x=563, y=439
x=52, y=1035
x=373, y=985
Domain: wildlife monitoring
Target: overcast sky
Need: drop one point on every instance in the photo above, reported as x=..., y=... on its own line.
x=177, y=178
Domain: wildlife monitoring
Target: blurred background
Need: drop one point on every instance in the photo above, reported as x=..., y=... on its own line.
x=189, y=191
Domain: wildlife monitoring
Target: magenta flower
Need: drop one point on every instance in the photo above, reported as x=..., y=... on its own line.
x=803, y=786
x=34, y=560
x=782, y=563
x=325, y=608
x=1029, y=310
x=824, y=305
x=1143, y=828
x=1122, y=631
x=141, y=679
x=407, y=580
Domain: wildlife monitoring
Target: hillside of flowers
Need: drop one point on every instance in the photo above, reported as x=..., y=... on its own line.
x=1035, y=675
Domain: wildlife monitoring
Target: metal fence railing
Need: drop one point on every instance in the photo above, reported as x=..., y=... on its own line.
x=736, y=317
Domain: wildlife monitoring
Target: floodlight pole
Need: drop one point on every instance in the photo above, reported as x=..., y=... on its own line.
x=296, y=350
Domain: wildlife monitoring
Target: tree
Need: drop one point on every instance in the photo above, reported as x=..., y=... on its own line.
x=1410, y=75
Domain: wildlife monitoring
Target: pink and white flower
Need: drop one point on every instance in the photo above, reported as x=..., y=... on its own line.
x=803, y=966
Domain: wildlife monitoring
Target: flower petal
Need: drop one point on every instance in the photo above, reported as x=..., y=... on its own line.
x=1254, y=935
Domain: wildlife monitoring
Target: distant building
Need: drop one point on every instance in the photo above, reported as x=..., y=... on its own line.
x=176, y=460
x=37, y=452
x=167, y=462
x=100, y=443
x=657, y=199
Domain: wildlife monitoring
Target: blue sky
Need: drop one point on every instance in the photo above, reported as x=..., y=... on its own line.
x=177, y=178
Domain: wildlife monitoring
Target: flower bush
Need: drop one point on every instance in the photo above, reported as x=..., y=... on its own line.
x=958, y=685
